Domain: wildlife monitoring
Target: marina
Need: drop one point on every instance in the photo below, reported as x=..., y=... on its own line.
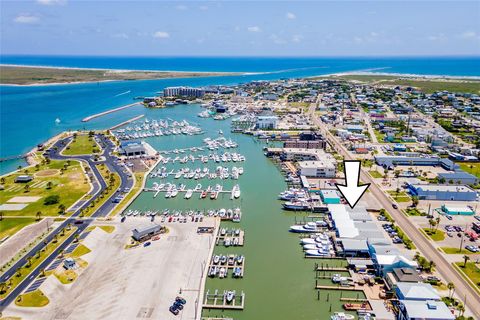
x=230, y=237
x=228, y=299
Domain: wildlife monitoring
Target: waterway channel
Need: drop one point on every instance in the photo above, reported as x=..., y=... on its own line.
x=278, y=281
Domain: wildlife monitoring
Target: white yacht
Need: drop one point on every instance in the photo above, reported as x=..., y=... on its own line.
x=188, y=194
x=309, y=227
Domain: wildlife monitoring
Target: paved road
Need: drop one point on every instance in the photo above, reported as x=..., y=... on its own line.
x=98, y=186
x=446, y=270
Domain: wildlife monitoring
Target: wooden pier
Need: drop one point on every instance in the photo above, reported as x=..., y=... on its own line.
x=230, y=234
x=218, y=300
x=349, y=288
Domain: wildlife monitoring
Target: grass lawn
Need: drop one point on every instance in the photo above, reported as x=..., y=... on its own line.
x=401, y=197
x=111, y=189
x=83, y=144
x=451, y=250
x=9, y=226
x=472, y=168
x=471, y=271
x=25, y=270
x=79, y=251
x=32, y=299
x=70, y=185
x=435, y=235
x=107, y=229
x=414, y=212
x=375, y=174
x=66, y=276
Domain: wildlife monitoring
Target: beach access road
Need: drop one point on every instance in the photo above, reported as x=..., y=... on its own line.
x=443, y=266
x=140, y=282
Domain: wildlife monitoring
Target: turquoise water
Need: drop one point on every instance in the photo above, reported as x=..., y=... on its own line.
x=278, y=281
x=27, y=114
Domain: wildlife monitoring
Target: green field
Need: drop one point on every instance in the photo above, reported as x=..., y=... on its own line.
x=69, y=184
x=472, y=168
x=435, y=235
x=79, y=251
x=450, y=250
x=82, y=144
x=375, y=174
x=10, y=226
x=402, y=196
x=32, y=299
x=471, y=271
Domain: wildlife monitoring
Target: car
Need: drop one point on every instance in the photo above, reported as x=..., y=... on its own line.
x=395, y=206
x=449, y=234
x=459, y=234
x=180, y=300
x=123, y=219
x=477, y=217
x=449, y=217
x=178, y=305
x=174, y=310
x=146, y=244
x=472, y=248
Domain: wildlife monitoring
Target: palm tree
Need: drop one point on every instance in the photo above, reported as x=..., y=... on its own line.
x=431, y=266
x=18, y=272
x=1, y=215
x=26, y=188
x=461, y=308
x=2, y=180
x=29, y=262
x=465, y=259
x=39, y=215
x=437, y=221
x=62, y=208
x=49, y=185
x=432, y=224
x=414, y=201
x=3, y=285
x=451, y=289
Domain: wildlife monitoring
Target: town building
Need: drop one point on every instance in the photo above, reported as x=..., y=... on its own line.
x=305, y=144
x=330, y=196
x=442, y=192
x=183, y=92
x=424, y=310
x=267, y=122
x=324, y=168
x=132, y=148
x=23, y=179
x=146, y=232
x=459, y=177
x=415, y=291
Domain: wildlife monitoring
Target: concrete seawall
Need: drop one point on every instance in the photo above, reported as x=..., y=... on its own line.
x=109, y=111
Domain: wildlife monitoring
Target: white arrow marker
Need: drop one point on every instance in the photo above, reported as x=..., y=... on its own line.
x=352, y=191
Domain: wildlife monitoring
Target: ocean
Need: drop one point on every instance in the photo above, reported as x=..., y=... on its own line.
x=27, y=114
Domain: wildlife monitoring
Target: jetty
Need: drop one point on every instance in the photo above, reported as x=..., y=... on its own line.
x=218, y=300
x=127, y=122
x=109, y=111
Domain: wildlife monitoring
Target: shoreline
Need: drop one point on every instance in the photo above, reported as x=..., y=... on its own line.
x=25, y=75
x=405, y=75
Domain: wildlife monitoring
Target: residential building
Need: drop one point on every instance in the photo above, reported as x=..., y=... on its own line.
x=183, y=92
x=424, y=310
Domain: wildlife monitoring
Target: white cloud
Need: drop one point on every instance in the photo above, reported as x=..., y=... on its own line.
x=26, y=18
x=181, y=7
x=254, y=29
x=51, y=2
x=121, y=36
x=437, y=37
x=468, y=35
x=161, y=35
x=276, y=39
x=297, y=38
x=291, y=16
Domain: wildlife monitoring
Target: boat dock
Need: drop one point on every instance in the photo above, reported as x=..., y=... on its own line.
x=228, y=266
x=110, y=111
x=230, y=234
x=127, y=122
x=218, y=300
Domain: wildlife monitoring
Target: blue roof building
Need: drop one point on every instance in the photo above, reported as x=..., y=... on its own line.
x=460, y=177
x=330, y=196
x=442, y=192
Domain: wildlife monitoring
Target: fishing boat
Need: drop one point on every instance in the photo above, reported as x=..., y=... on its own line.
x=216, y=259
x=240, y=259
x=188, y=194
x=292, y=205
x=309, y=227
x=223, y=259
x=342, y=316
x=235, y=192
x=222, y=273
x=230, y=296
x=237, y=272
x=203, y=194
x=227, y=242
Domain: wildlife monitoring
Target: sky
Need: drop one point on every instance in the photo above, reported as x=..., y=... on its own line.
x=248, y=28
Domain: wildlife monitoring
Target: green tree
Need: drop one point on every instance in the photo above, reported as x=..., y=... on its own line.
x=3, y=286
x=49, y=185
x=465, y=260
x=2, y=180
x=414, y=201
x=26, y=188
x=451, y=289
x=38, y=215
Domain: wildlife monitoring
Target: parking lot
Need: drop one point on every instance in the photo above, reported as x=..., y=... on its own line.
x=136, y=283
